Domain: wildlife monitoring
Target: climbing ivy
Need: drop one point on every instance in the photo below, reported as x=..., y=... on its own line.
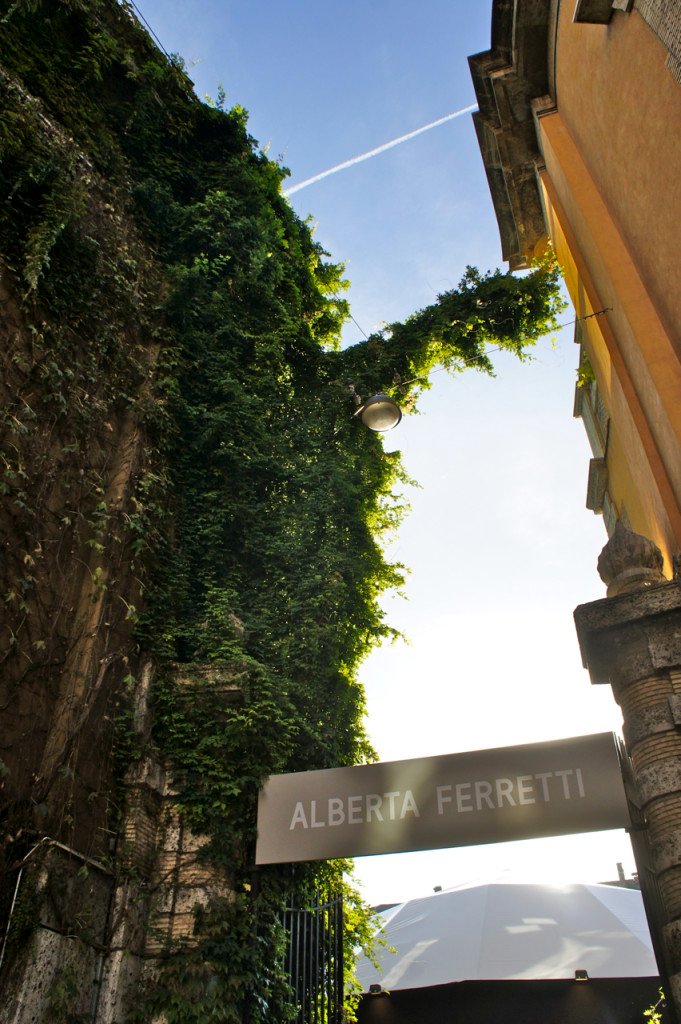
x=171, y=292
x=232, y=972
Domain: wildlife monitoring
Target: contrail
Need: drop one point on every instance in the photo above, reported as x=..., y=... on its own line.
x=379, y=149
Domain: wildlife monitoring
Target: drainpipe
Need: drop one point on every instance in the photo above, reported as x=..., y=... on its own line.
x=9, y=919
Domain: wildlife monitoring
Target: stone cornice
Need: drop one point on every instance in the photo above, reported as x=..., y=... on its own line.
x=507, y=78
x=630, y=637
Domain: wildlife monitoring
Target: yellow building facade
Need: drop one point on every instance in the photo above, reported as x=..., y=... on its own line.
x=579, y=125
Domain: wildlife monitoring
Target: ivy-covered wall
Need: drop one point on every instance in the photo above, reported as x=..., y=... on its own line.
x=181, y=476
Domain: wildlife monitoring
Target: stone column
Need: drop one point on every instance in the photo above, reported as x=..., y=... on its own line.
x=632, y=640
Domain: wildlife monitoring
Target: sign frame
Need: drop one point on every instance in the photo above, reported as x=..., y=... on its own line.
x=557, y=787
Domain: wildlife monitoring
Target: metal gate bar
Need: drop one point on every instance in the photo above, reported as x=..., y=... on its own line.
x=314, y=960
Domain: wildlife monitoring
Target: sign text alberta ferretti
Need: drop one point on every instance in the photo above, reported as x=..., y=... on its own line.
x=466, y=799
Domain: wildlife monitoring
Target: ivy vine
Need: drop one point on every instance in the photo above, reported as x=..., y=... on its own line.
x=167, y=298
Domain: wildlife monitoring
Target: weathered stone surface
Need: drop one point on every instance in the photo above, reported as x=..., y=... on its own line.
x=659, y=779
x=54, y=962
x=632, y=636
x=122, y=967
x=672, y=934
x=628, y=608
x=147, y=772
x=121, y=974
x=141, y=706
x=629, y=562
x=220, y=679
x=675, y=983
x=675, y=708
x=666, y=852
x=506, y=80
x=658, y=718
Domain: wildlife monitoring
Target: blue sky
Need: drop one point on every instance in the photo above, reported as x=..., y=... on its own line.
x=500, y=545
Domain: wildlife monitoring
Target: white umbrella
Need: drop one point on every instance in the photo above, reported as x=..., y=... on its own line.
x=513, y=931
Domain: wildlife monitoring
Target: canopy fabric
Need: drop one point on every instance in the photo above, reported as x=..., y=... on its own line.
x=513, y=931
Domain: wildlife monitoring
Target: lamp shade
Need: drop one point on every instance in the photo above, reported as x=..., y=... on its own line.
x=380, y=413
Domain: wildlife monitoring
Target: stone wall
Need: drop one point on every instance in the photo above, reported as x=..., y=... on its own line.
x=98, y=931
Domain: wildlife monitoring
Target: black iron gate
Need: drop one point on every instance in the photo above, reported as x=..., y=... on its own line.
x=314, y=960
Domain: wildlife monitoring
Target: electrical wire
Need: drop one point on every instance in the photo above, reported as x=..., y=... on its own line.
x=141, y=18
x=587, y=316
x=360, y=329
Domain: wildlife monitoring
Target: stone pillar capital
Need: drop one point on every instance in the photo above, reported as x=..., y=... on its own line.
x=631, y=637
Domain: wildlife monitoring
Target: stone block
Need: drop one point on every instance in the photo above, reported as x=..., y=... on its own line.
x=164, y=898
x=121, y=975
x=666, y=851
x=640, y=724
x=675, y=983
x=224, y=677
x=188, y=899
x=148, y=773
x=672, y=940
x=631, y=636
x=129, y=917
x=172, y=836
x=661, y=779
x=76, y=894
x=675, y=708
x=55, y=962
x=193, y=842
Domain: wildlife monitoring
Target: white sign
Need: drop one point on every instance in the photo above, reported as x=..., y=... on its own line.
x=466, y=799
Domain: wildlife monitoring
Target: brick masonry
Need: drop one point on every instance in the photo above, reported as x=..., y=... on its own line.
x=633, y=642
